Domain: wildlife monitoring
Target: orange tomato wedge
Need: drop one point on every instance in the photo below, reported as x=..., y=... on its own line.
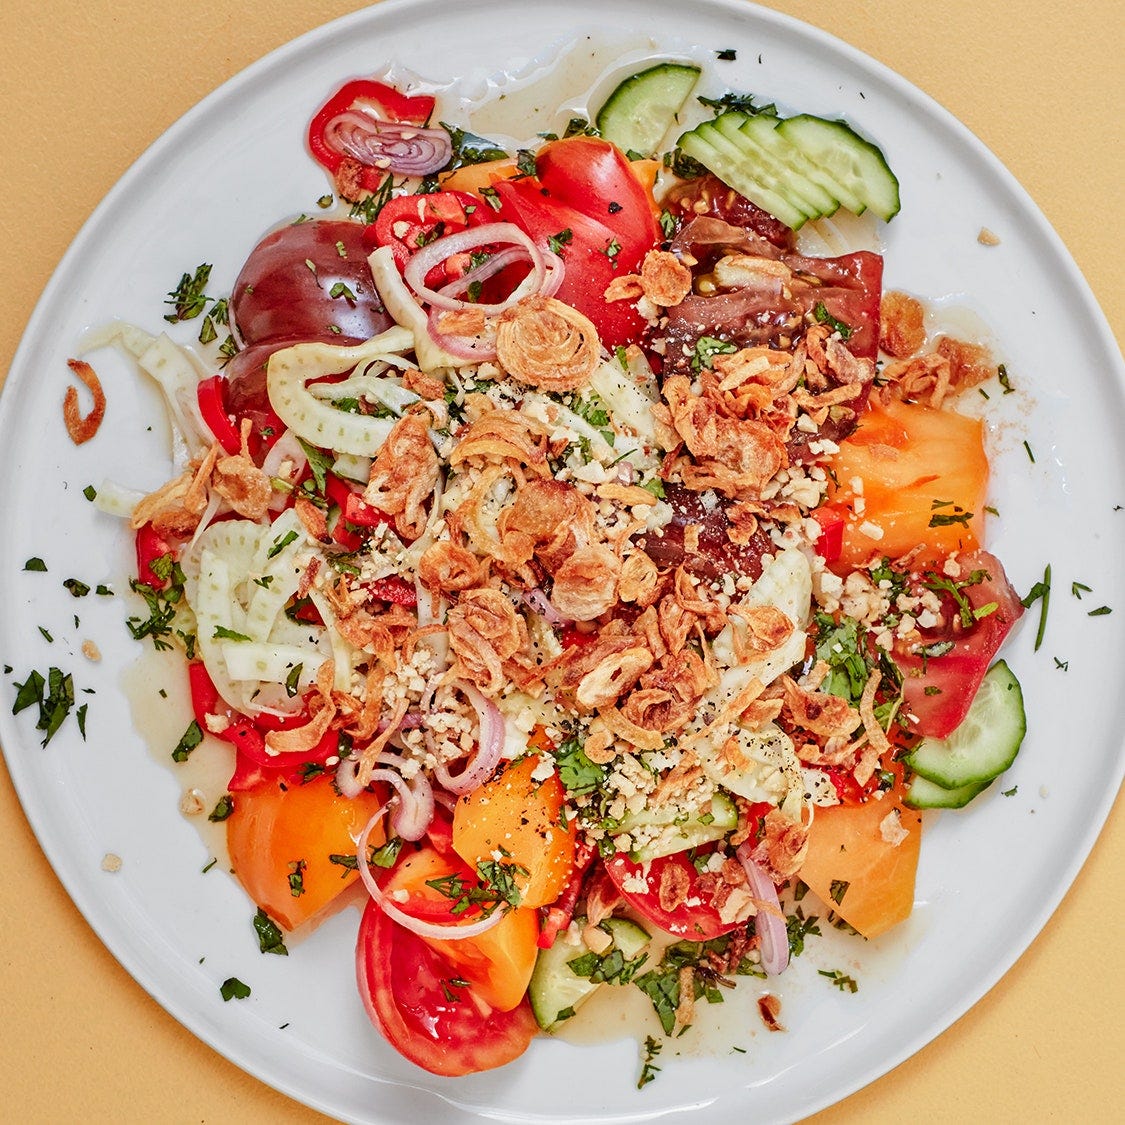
x=924, y=478
x=473, y=177
x=516, y=818
x=498, y=963
x=856, y=871
x=280, y=839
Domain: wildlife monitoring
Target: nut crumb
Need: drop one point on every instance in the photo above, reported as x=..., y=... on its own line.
x=191, y=803
x=988, y=238
x=91, y=651
x=111, y=862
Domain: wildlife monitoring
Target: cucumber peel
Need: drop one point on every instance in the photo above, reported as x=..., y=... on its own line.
x=643, y=107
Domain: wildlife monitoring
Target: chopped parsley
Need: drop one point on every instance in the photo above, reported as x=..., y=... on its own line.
x=577, y=772
x=36, y=564
x=77, y=589
x=189, y=740
x=269, y=935
x=1041, y=593
x=557, y=241
x=188, y=299
x=744, y=103
x=53, y=694
x=233, y=989
x=837, y=889
x=649, y=1069
x=468, y=148
x=297, y=877
x=841, y=980
x=224, y=806
x=822, y=316
x=706, y=348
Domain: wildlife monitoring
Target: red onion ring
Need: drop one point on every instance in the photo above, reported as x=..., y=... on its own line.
x=418, y=926
x=490, y=744
x=773, y=939
x=476, y=349
x=409, y=150
x=542, y=605
x=436, y=252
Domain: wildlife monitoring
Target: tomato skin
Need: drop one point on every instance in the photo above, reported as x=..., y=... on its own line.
x=278, y=297
x=274, y=827
x=692, y=921
x=938, y=690
x=403, y=982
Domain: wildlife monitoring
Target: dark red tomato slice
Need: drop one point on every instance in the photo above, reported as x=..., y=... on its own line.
x=594, y=178
x=279, y=296
x=849, y=289
x=938, y=690
x=708, y=195
x=695, y=920
x=416, y=998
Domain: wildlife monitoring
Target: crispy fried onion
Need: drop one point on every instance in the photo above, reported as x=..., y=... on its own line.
x=664, y=280
x=404, y=475
x=445, y=567
x=586, y=583
x=613, y=676
x=639, y=581
x=549, y=519
x=322, y=710
x=735, y=456
x=784, y=844
x=82, y=429
x=819, y=712
x=952, y=367
x=176, y=507
x=484, y=631
x=241, y=483
x=502, y=437
x=902, y=324
x=544, y=343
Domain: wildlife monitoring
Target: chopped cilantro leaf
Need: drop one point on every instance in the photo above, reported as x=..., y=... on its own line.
x=233, y=989
x=269, y=935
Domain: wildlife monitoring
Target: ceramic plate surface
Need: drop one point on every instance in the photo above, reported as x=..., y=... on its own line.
x=989, y=877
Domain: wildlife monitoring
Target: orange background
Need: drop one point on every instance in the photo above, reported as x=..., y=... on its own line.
x=1040, y=83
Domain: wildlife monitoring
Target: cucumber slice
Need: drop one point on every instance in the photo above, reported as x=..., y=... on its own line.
x=858, y=164
x=762, y=129
x=677, y=833
x=924, y=794
x=787, y=181
x=986, y=742
x=556, y=991
x=707, y=145
x=641, y=110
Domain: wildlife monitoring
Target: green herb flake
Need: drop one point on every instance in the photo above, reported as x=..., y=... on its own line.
x=1005, y=379
x=837, y=889
x=325, y=201
x=667, y=224
x=822, y=316
x=1040, y=592
x=77, y=589
x=222, y=633
x=706, y=348
x=1009, y=792
x=1101, y=611
x=280, y=544
x=841, y=980
x=90, y=492
x=35, y=564
x=269, y=935
x=339, y=289
x=190, y=739
x=557, y=241
x=224, y=806
x=188, y=299
x=293, y=680
x=649, y=1069
x=297, y=877
x=233, y=989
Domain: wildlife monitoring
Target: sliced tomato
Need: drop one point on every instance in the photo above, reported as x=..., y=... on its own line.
x=438, y=1002
x=151, y=547
x=938, y=689
x=696, y=919
x=408, y=222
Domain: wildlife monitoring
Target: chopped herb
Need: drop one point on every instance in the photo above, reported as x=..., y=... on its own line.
x=1009, y=792
x=706, y=348
x=841, y=980
x=269, y=935
x=325, y=201
x=728, y=54
x=90, y=492
x=1062, y=665
x=222, y=633
x=955, y=589
x=233, y=989
x=612, y=249
x=1101, y=611
x=667, y=224
x=207, y=333
x=797, y=928
x=54, y=695
x=557, y=241
x=208, y=865
x=822, y=316
x=161, y=605
x=80, y=715
x=468, y=148
x=492, y=197
x=320, y=463
x=293, y=680
x=188, y=299
x=103, y=591
x=1030, y=455
x=1080, y=588
x=1040, y=592
x=837, y=889
x=224, y=806
x=684, y=166
x=655, y=486
x=339, y=289
x=264, y=580
x=280, y=544
x=46, y=635
x=744, y=103
x=525, y=162
x=297, y=877
x=36, y=564
x=189, y=740
x=610, y=967
x=77, y=589
x=309, y=770
x=649, y=1069
x=577, y=772
x=1005, y=380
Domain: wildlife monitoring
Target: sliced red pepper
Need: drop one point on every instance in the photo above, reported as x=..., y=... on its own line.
x=389, y=103
x=150, y=547
x=830, y=542
x=212, y=405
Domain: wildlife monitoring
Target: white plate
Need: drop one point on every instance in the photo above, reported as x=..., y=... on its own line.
x=238, y=161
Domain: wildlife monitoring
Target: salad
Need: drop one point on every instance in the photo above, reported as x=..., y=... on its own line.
x=582, y=565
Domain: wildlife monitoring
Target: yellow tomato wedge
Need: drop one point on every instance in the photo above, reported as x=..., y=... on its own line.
x=280, y=839
x=909, y=475
x=517, y=819
x=473, y=177
x=855, y=865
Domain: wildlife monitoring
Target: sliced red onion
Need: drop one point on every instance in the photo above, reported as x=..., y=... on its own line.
x=475, y=349
x=773, y=939
x=408, y=150
x=542, y=605
x=490, y=234
x=490, y=744
x=455, y=932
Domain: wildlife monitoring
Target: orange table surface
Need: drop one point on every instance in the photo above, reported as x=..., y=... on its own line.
x=1042, y=84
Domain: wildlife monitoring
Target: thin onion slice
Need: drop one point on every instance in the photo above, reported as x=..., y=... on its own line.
x=419, y=926
x=490, y=743
x=769, y=924
x=408, y=150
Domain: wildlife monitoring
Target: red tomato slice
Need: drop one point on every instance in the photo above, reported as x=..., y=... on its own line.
x=409, y=222
x=938, y=690
x=695, y=920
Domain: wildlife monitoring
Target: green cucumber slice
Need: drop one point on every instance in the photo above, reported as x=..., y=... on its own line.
x=707, y=145
x=556, y=991
x=987, y=740
x=857, y=164
x=640, y=111
x=762, y=129
x=923, y=794
x=784, y=179
x=678, y=832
